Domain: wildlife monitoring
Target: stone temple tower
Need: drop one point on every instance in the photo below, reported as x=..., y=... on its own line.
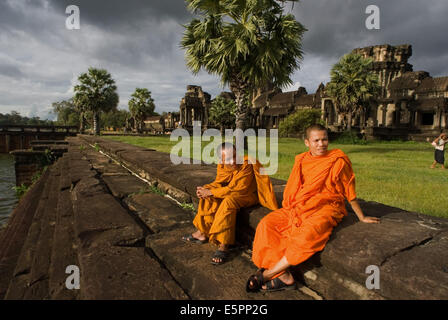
x=389, y=62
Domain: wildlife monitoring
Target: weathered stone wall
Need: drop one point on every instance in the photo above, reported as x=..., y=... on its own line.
x=89, y=211
x=20, y=137
x=409, y=248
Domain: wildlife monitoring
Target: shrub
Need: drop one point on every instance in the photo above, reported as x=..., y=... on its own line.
x=349, y=137
x=297, y=122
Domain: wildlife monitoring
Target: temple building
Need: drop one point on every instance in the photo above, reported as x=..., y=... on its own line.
x=271, y=107
x=194, y=106
x=411, y=105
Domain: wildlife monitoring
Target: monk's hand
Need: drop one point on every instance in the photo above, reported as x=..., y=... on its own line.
x=203, y=192
x=367, y=219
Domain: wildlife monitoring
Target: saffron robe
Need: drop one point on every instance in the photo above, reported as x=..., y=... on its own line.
x=313, y=204
x=232, y=190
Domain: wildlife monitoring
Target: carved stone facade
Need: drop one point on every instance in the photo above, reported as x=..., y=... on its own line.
x=194, y=106
x=411, y=105
x=271, y=107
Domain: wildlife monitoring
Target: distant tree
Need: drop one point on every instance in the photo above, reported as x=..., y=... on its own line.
x=352, y=85
x=222, y=113
x=67, y=114
x=141, y=105
x=246, y=43
x=298, y=121
x=14, y=118
x=96, y=93
x=115, y=119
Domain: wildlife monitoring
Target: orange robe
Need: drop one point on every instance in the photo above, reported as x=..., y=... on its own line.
x=313, y=204
x=232, y=190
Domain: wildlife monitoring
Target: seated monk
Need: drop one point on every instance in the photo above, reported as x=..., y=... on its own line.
x=236, y=186
x=313, y=204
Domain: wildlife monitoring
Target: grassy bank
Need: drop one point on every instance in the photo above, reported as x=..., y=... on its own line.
x=393, y=173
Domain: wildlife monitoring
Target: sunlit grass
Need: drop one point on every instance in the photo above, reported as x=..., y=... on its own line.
x=393, y=173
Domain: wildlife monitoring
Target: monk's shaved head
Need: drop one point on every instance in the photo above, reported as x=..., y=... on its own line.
x=227, y=154
x=226, y=146
x=314, y=127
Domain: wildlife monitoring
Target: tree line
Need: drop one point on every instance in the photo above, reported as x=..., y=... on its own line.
x=249, y=45
x=95, y=102
x=15, y=118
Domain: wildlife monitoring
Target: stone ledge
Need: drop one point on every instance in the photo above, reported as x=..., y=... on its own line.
x=353, y=245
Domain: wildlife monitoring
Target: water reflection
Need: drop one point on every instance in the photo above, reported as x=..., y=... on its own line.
x=8, y=199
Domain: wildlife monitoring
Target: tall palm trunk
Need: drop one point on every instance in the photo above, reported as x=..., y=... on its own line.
x=349, y=120
x=96, y=123
x=239, y=87
x=81, y=123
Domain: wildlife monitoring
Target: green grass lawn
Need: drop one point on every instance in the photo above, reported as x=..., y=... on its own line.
x=393, y=173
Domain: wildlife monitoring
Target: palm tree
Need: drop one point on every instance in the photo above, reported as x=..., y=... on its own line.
x=246, y=43
x=96, y=93
x=352, y=84
x=141, y=105
x=222, y=112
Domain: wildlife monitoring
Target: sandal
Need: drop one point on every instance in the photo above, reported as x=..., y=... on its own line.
x=257, y=280
x=190, y=239
x=220, y=255
x=277, y=285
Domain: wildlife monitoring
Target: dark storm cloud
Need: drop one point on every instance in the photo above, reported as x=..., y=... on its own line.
x=137, y=41
x=337, y=27
x=118, y=14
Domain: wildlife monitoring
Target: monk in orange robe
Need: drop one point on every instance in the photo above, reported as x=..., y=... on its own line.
x=313, y=204
x=236, y=186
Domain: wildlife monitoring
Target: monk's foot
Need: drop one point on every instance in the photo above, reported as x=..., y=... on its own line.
x=199, y=235
x=194, y=238
x=255, y=281
x=286, y=280
x=219, y=257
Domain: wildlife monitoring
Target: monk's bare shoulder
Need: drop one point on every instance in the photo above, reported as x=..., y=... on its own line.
x=301, y=155
x=337, y=153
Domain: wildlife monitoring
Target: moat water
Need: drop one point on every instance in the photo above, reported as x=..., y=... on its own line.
x=8, y=198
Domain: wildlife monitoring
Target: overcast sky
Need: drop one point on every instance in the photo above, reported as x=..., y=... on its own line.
x=137, y=41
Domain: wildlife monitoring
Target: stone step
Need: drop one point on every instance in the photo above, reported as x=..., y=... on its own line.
x=22, y=273
x=110, y=242
x=38, y=287
x=48, y=142
x=63, y=246
x=114, y=272
x=339, y=271
x=191, y=265
x=15, y=234
x=157, y=212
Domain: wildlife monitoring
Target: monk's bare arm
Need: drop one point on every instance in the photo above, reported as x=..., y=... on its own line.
x=358, y=211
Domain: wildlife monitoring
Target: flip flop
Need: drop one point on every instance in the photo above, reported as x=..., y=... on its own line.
x=220, y=255
x=278, y=285
x=190, y=239
x=257, y=279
